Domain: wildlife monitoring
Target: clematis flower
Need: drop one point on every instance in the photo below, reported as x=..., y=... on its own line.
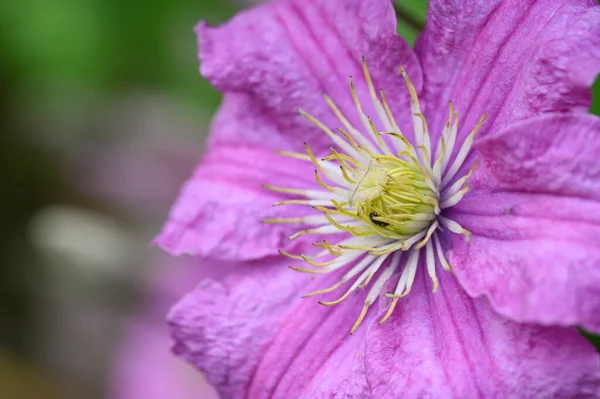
x=441, y=203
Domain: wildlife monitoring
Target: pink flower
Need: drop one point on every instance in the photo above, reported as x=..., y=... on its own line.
x=144, y=368
x=459, y=242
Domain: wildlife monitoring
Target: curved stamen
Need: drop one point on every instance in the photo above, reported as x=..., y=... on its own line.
x=386, y=203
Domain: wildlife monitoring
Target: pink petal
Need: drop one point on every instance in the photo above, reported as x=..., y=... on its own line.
x=143, y=366
x=254, y=336
x=511, y=59
x=448, y=345
x=219, y=211
x=269, y=61
x=535, y=218
x=275, y=58
x=146, y=368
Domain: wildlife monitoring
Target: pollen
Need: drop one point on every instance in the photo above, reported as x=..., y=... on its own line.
x=383, y=199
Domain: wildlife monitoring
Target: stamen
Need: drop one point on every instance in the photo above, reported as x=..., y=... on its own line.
x=304, y=202
x=324, y=290
x=387, y=249
x=323, y=184
x=294, y=155
x=407, y=277
x=338, y=264
x=327, y=229
x=328, y=248
x=346, y=176
x=385, y=276
x=369, y=277
x=361, y=316
x=282, y=220
x=388, y=112
x=415, y=109
x=346, y=244
x=380, y=142
x=349, y=138
x=462, y=154
x=430, y=260
x=389, y=311
x=454, y=227
x=455, y=199
x=426, y=146
x=373, y=267
x=349, y=227
x=432, y=228
x=437, y=166
x=361, y=114
x=329, y=171
x=447, y=127
x=409, y=243
x=313, y=219
x=320, y=264
x=379, y=110
x=336, y=139
x=402, y=282
x=440, y=254
x=384, y=203
x=356, y=135
x=365, y=247
x=314, y=194
x=353, y=272
x=291, y=256
x=344, y=160
x=455, y=187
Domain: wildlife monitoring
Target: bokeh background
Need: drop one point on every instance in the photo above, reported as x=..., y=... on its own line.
x=102, y=116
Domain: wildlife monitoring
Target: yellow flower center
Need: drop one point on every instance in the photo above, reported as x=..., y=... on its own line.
x=394, y=198
x=386, y=193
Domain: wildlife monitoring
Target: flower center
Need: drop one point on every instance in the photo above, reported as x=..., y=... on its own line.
x=394, y=198
x=387, y=193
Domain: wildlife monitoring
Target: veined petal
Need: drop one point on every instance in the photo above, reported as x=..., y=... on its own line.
x=551, y=154
x=534, y=218
x=219, y=210
x=278, y=57
x=510, y=59
x=269, y=61
x=254, y=337
x=450, y=346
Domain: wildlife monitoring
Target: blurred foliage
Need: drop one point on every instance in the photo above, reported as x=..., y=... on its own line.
x=108, y=45
x=22, y=380
x=411, y=18
x=595, y=109
x=73, y=57
x=594, y=339
x=596, y=97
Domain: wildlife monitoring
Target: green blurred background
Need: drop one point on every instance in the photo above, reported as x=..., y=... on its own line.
x=86, y=86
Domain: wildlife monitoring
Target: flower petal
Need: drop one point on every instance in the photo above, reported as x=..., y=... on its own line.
x=146, y=369
x=534, y=214
x=448, y=345
x=219, y=210
x=511, y=59
x=278, y=57
x=143, y=365
x=269, y=61
x=254, y=337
